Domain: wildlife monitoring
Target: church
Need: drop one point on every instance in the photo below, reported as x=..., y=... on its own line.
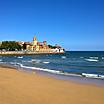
x=36, y=46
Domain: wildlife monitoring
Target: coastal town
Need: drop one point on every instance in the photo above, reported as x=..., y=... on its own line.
x=34, y=47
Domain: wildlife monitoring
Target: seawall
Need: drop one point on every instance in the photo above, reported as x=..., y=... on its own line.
x=28, y=53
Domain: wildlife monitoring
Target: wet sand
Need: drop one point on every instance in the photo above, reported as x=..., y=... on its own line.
x=17, y=87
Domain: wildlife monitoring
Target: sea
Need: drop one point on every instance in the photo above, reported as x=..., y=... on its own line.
x=83, y=64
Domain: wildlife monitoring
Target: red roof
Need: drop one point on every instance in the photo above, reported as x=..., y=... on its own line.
x=28, y=43
x=40, y=43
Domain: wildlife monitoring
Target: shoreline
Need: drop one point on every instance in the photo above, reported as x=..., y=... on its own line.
x=76, y=78
x=18, y=87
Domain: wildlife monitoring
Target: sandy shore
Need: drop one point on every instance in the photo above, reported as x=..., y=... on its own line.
x=18, y=87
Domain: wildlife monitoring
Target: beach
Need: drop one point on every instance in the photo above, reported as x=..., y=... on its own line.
x=18, y=87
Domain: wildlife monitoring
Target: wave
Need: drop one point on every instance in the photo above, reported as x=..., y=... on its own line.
x=0, y=60
x=93, y=75
x=46, y=62
x=102, y=58
x=94, y=57
x=97, y=76
x=63, y=73
x=81, y=57
x=20, y=56
x=91, y=60
x=49, y=70
x=63, y=57
x=36, y=61
x=13, y=63
x=33, y=61
x=41, y=69
x=29, y=61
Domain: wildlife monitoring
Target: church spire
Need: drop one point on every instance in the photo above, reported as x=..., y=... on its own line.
x=34, y=39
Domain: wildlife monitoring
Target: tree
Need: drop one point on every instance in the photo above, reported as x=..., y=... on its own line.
x=24, y=46
x=52, y=47
x=10, y=46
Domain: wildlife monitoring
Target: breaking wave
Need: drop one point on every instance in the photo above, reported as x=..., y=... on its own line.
x=41, y=69
x=35, y=61
x=95, y=60
x=87, y=75
x=97, y=76
x=93, y=75
x=102, y=58
x=94, y=57
x=63, y=57
x=46, y=62
x=20, y=57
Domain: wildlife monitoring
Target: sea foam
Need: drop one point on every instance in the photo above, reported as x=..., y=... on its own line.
x=36, y=61
x=94, y=57
x=63, y=57
x=93, y=75
x=102, y=58
x=20, y=57
x=46, y=62
x=41, y=69
x=63, y=73
x=91, y=60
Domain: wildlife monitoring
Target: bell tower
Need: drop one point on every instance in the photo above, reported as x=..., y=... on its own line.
x=34, y=38
x=34, y=41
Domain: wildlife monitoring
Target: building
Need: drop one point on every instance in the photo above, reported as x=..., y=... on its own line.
x=40, y=46
x=36, y=46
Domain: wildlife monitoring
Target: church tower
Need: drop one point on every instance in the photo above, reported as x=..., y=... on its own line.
x=34, y=41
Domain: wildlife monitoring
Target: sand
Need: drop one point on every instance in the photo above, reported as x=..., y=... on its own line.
x=18, y=87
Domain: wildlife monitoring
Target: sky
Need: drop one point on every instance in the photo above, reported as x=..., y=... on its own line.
x=76, y=25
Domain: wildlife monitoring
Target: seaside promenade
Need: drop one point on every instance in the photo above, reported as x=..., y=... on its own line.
x=28, y=52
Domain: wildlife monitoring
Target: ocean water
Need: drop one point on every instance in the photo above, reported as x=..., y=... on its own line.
x=76, y=63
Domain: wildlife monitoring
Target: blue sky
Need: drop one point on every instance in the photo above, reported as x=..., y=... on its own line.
x=74, y=24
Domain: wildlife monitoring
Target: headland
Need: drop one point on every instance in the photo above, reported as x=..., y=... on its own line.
x=29, y=48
